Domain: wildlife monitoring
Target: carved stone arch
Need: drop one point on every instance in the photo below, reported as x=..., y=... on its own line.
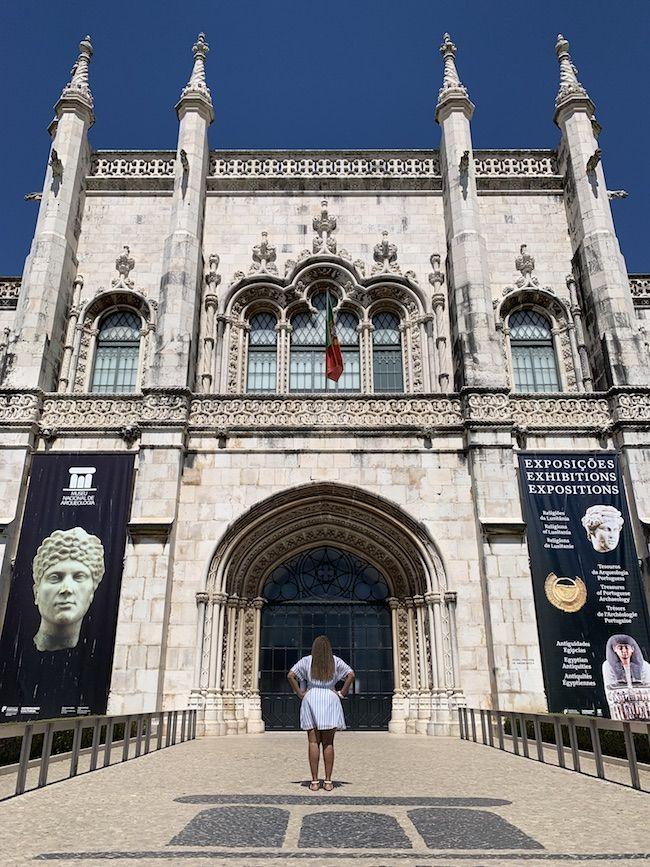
x=408, y=305
x=258, y=295
x=310, y=515
x=95, y=309
x=545, y=302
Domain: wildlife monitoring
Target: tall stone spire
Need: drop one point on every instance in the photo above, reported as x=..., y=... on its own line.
x=570, y=89
x=77, y=90
x=452, y=89
x=197, y=88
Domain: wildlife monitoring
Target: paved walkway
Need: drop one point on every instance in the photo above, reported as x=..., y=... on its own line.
x=410, y=801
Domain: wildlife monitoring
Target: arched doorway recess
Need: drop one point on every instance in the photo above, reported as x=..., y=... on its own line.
x=327, y=591
x=425, y=655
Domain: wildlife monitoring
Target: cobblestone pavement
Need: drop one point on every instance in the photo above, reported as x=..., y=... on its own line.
x=411, y=801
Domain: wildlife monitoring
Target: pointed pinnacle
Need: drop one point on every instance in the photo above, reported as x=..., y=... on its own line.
x=569, y=85
x=197, y=85
x=452, y=88
x=78, y=88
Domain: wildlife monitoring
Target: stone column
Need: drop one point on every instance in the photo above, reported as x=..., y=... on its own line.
x=397, y=724
x=475, y=346
x=65, y=381
x=214, y=722
x=46, y=288
x=413, y=693
x=284, y=339
x=618, y=352
x=198, y=690
x=229, y=686
x=210, y=304
x=583, y=372
x=255, y=725
x=174, y=360
x=424, y=696
x=240, y=714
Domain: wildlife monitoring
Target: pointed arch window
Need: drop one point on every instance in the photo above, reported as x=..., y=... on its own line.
x=307, y=363
x=117, y=353
x=533, y=355
x=262, y=353
x=387, y=353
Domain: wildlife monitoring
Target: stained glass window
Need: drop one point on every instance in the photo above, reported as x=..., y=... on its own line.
x=307, y=363
x=387, y=353
x=262, y=353
x=117, y=354
x=533, y=356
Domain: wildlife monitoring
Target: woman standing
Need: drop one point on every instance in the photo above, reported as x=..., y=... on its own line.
x=321, y=713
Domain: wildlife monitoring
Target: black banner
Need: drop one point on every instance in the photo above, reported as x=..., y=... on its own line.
x=591, y=611
x=58, y=635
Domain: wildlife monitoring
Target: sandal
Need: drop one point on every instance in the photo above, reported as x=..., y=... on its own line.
x=328, y=785
x=314, y=786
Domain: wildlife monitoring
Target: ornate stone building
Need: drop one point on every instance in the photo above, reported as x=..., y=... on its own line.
x=173, y=305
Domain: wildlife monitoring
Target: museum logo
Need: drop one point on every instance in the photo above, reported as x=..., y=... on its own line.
x=80, y=490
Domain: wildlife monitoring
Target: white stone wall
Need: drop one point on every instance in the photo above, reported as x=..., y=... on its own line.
x=112, y=221
x=234, y=223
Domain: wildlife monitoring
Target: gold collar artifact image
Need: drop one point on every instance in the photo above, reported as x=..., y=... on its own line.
x=567, y=594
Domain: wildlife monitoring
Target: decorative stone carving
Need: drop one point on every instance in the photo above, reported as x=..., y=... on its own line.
x=264, y=255
x=385, y=256
x=9, y=291
x=324, y=226
x=197, y=86
x=593, y=161
x=639, y=287
x=451, y=85
x=617, y=194
x=91, y=413
x=559, y=412
x=525, y=264
x=487, y=408
x=19, y=407
x=316, y=412
x=631, y=406
x=570, y=87
x=78, y=88
x=56, y=165
x=124, y=264
x=463, y=165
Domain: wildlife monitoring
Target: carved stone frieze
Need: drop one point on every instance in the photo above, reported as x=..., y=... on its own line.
x=315, y=412
x=84, y=412
x=640, y=289
x=17, y=407
x=560, y=412
x=487, y=407
x=9, y=290
x=633, y=406
x=165, y=407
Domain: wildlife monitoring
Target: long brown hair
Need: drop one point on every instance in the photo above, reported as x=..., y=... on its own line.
x=322, y=659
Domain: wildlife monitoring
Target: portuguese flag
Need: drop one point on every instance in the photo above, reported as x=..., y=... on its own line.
x=333, y=357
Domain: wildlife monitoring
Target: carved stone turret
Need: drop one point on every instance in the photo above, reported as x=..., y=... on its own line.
x=619, y=354
x=477, y=356
x=173, y=364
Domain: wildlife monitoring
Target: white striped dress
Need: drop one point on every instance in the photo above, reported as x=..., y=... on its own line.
x=321, y=707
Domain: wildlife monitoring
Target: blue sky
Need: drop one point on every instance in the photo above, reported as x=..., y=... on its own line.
x=341, y=74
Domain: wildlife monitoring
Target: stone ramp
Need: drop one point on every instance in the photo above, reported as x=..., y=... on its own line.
x=398, y=800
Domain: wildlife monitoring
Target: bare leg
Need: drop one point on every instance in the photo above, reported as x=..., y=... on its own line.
x=327, y=739
x=314, y=751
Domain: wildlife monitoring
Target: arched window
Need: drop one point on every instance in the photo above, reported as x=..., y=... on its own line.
x=307, y=367
x=533, y=356
x=387, y=353
x=262, y=353
x=117, y=354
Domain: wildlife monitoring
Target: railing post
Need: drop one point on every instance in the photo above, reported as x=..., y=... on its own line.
x=108, y=743
x=76, y=746
x=483, y=732
x=630, y=749
x=147, y=736
x=473, y=718
x=460, y=724
x=127, y=739
x=138, y=736
x=573, y=740
x=194, y=719
x=45, y=755
x=183, y=723
x=500, y=729
x=23, y=762
x=515, y=739
x=161, y=726
x=524, y=734
x=94, y=751
x=539, y=743
x=597, y=749
x=489, y=728
x=168, y=732
x=559, y=741
x=174, y=722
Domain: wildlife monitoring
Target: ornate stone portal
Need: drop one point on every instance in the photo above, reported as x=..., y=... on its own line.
x=425, y=655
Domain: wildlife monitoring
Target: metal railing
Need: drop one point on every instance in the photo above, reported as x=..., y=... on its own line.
x=111, y=741
x=567, y=741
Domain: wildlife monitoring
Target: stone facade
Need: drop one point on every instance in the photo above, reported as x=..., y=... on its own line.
x=231, y=481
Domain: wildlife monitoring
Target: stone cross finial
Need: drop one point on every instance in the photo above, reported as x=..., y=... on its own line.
x=124, y=264
x=324, y=226
x=451, y=83
x=197, y=86
x=264, y=256
x=385, y=256
x=525, y=264
x=78, y=88
x=569, y=84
